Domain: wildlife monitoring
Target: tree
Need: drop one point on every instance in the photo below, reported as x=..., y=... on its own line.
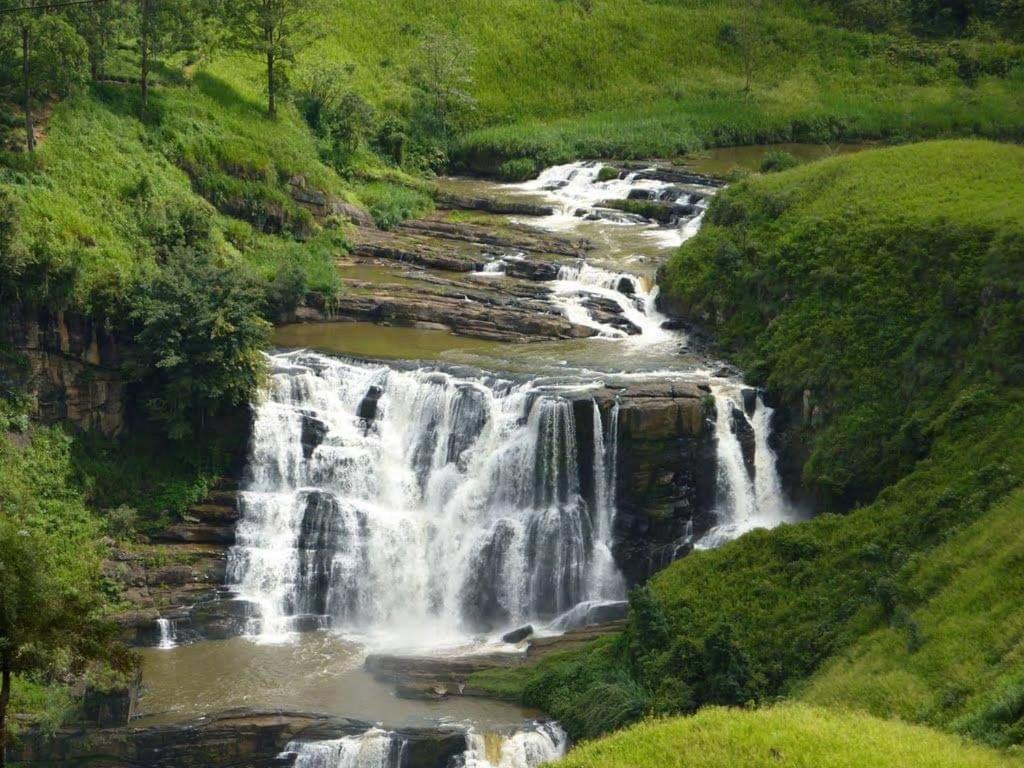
x=48, y=611
x=441, y=76
x=52, y=54
x=271, y=29
x=100, y=24
x=747, y=38
x=163, y=26
x=199, y=336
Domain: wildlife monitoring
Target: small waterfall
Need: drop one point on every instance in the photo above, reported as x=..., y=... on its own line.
x=633, y=300
x=374, y=749
x=749, y=492
x=437, y=501
x=607, y=580
x=167, y=638
x=545, y=743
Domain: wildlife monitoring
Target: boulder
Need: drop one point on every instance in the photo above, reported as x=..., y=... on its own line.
x=367, y=410
x=517, y=635
x=314, y=432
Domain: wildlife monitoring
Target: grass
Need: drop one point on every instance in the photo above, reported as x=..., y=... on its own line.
x=786, y=736
x=956, y=660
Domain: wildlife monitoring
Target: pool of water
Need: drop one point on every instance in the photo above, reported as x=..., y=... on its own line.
x=312, y=672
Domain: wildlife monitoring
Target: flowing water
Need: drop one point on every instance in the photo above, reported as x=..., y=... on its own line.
x=417, y=506
x=428, y=500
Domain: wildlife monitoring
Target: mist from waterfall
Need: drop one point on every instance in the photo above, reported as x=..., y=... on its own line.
x=381, y=499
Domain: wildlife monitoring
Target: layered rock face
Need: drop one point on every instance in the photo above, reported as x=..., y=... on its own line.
x=666, y=472
x=69, y=363
x=234, y=739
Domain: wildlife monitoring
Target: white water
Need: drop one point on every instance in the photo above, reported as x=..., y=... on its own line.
x=525, y=748
x=744, y=503
x=167, y=639
x=529, y=748
x=577, y=195
x=458, y=509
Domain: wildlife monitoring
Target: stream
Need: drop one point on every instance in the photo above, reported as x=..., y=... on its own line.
x=413, y=491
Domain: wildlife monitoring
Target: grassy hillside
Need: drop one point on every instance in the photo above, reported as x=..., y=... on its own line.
x=884, y=285
x=897, y=303
x=958, y=660
x=781, y=737
x=556, y=79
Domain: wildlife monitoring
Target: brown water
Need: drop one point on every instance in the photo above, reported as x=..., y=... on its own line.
x=722, y=161
x=547, y=358
x=317, y=672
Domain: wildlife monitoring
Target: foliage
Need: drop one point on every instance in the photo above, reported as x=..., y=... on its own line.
x=270, y=29
x=880, y=291
x=441, y=78
x=778, y=160
x=784, y=736
x=51, y=601
x=198, y=339
x=520, y=169
x=391, y=204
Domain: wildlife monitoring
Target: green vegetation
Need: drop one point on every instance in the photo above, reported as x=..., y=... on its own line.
x=883, y=288
x=789, y=736
x=955, y=660
x=51, y=587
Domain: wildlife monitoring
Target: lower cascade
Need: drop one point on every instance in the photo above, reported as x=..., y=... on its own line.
x=377, y=748
x=382, y=498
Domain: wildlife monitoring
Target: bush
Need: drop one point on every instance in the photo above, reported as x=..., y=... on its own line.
x=121, y=521
x=520, y=169
x=391, y=204
x=777, y=160
x=608, y=173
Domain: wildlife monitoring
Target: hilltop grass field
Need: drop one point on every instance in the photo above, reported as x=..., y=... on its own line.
x=786, y=736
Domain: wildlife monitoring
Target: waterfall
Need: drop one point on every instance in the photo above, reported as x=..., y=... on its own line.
x=544, y=743
x=373, y=749
x=167, y=639
x=748, y=492
x=607, y=581
x=525, y=748
x=388, y=499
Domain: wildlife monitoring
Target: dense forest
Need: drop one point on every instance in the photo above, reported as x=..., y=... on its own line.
x=163, y=172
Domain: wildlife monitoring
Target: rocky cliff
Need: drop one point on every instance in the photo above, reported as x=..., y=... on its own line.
x=68, y=363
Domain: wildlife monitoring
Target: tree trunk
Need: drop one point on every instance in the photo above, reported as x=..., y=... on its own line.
x=271, y=86
x=26, y=80
x=5, y=698
x=145, y=71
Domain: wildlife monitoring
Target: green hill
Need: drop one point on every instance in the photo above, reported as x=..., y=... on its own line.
x=786, y=736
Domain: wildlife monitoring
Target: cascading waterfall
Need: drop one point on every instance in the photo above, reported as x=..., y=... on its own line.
x=377, y=748
x=635, y=301
x=749, y=494
x=374, y=749
x=383, y=499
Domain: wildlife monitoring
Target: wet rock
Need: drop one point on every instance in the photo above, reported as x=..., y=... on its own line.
x=491, y=205
x=744, y=432
x=517, y=635
x=197, y=533
x=749, y=396
x=532, y=270
x=314, y=432
x=368, y=405
x=234, y=739
x=591, y=614
x=625, y=286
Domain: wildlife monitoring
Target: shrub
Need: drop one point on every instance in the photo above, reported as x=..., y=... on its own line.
x=778, y=160
x=391, y=204
x=608, y=173
x=520, y=169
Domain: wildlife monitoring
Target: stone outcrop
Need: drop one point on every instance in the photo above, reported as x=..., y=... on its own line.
x=70, y=363
x=666, y=475
x=233, y=739
x=490, y=205
x=178, y=575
